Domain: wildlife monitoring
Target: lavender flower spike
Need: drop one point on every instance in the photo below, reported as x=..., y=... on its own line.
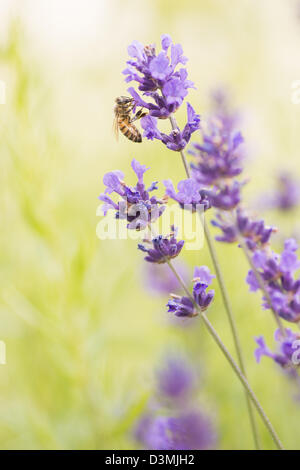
x=188, y=430
x=163, y=248
x=218, y=157
x=277, y=273
x=286, y=195
x=136, y=205
x=184, y=306
x=157, y=77
x=176, y=381
x=288, y=354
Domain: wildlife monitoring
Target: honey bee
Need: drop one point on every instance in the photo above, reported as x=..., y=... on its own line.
x=124, y=121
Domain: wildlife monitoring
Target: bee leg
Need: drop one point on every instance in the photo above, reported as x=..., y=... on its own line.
x=138, y=115
x=130, y=107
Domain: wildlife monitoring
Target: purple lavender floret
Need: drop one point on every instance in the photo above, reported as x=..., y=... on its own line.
x=202, y=273
x=254, y=232
x=227, y=227
x=175, y=380
x=181, y=306
x=177, y=140
x=189, y=430
x=136, y=205
x=278, y=275
x=288, y=350
x=173, y=420
x=189, y=195
x=157, y=76
x=185, y=306
x=217, y=160
x=286, y=195
x=226, y=198
x=202, y=298
x=219, y=156
x=162, y=248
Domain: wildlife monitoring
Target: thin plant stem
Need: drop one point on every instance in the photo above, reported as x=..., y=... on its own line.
x=225, y=298
x=231, y=361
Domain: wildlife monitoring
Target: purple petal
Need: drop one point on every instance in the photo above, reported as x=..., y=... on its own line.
x=136, y=49
x=203, y=273
x=113, y=182
x=166, y=41
x=139, y=169
x=159, y=66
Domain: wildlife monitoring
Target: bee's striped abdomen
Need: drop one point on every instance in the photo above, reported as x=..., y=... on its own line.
x=129, y=130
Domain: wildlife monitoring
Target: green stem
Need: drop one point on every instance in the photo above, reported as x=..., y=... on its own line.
x=231, y=361
x=226, y=301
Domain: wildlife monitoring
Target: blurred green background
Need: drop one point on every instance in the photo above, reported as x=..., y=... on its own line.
x=83, y=336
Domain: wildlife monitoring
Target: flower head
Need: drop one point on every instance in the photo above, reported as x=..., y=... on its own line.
x=218, y=157
x=288, y=350
x=286, y=195
x=174, y=421
x=176, y=140
x=278, y=275
x=226, y=198
x=189, y=194
x=161, y=248
x=254, y=232
x=202, y=274
x=136, y=204
x=189, y=430
x=187, y=306
x=175, y=380
x=157, y=76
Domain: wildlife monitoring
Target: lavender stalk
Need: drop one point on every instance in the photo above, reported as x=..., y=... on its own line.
x=230, y=359
x=218, y=162
x=139, y=209
x=225, y=298
x=159, y=79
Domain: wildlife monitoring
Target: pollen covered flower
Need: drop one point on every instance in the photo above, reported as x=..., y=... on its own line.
x=161, y=248
x=187, y=307
x=176, y=140
x=136, y=205
x=158, y=76
x=287, y=355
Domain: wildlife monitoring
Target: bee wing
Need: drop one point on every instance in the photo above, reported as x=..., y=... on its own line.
x=116, y=128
